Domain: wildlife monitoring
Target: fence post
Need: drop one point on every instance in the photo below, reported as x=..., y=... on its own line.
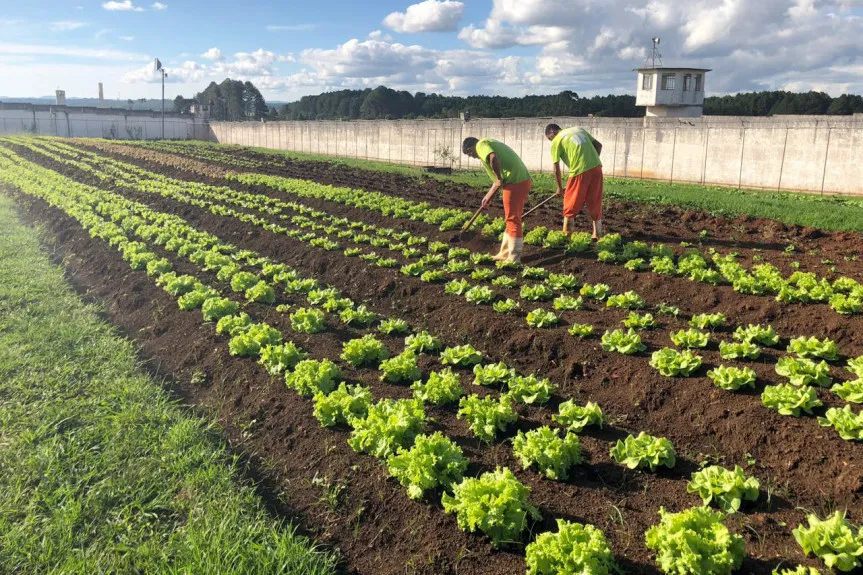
x=782, y=163
x=742, y=150
x=826, y=155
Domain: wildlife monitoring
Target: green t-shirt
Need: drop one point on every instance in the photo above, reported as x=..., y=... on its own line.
x=575, y=147
x=512, y=168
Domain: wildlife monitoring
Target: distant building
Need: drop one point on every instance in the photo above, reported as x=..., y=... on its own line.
x=671, y=92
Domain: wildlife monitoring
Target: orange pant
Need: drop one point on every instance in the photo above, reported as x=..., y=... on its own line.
x=514, y=197
x=585, y=188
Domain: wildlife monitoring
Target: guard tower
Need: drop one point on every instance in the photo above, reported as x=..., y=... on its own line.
x=671, y=92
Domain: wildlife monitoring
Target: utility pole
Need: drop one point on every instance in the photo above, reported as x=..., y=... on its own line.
x=159, y=68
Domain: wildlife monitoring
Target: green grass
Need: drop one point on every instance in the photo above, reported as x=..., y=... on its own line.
x=829, y=212
x=100, y=470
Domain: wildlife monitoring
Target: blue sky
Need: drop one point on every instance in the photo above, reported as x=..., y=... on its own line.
x=510, y=47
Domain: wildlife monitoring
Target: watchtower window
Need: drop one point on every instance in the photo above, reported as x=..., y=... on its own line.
x=647, y=81
x=668, y=81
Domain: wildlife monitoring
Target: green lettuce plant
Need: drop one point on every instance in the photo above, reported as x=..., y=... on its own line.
x=724, y=488
x=433, y=461
x=343, y=405
x=233, y=324
x=250, y=341
x=493, y=374
x=243, y=281
x=802, y=372
x=541, y=318
x=311, y=376
x=562, y=282
x=394, y=326
x=367, y=350
x=534, y=273
x=576, y=417
x=627, y=343
x=789, y=399
x=433, y=276
x=423, y=342
x=581, y=330
x=536, y=236
x=851, y=391
x=848, y=424
x=402, y=368
x=636, y=320
x=505, y=306
x=552, y=454
x=530, y=389
x=690, y=339
x=482, y=275
x=833, y=540
x=494, y=503
x=215, y=308
x=574, y=549
x=389, y=424
x=307, y=320
x=812, y=347
x=708, y=320
x=667, y=309
x=479, y=295
x=855, y=366
x=672, y=363
x=644, y=451
x=361, y=316
x=568, y=302
x=598, y=291
x=278, y=359
x=738, y=350
x=504, y=282
x=579, y=242
x=461, y=355
x=627, y=300
x=486, y=416
x=261, y=292
x=695, y=541
x=457, y=287
x=732, y=378
x=537, y=292
x=441, y=388
x=555, y=239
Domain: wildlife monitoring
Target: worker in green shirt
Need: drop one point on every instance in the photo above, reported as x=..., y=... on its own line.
x=580, y=152
x=507, y=172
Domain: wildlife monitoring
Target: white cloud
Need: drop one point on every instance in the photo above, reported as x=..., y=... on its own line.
x=187, y=72
x=124, y=6
x=126, y=38
x=378, y=35
x=158, y=6
x=71, y=51
x=291, y=27
x=66, y=25
x=212, y=54
x=251, y=64
x=427, y=16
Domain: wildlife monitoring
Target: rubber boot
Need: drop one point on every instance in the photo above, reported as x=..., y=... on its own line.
x=505, y=248
x=567, y=225
x=597, y=229
x=518, y=246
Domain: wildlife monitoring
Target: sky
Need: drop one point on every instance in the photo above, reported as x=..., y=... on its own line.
x=507, y=47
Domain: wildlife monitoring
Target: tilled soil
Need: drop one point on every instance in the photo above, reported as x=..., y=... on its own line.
x=798, y=462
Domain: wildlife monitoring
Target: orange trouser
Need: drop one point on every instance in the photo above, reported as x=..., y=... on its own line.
x=585, y=188
x=514, y=197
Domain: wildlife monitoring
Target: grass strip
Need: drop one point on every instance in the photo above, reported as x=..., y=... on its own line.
x=102, y=471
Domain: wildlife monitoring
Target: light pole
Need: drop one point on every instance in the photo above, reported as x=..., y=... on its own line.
x=164, y=73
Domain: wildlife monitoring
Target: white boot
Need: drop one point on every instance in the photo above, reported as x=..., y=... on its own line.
x=505, y=248
x=518, y=246
x=597, y=229
x=567, y=225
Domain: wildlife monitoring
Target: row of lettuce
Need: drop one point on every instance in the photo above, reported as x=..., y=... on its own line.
x=795, y=397
x=390, y=429
x=844, y=294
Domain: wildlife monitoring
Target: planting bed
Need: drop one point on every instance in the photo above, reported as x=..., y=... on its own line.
x=346, y=498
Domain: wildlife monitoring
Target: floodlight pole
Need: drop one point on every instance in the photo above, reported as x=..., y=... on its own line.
x=159, y=68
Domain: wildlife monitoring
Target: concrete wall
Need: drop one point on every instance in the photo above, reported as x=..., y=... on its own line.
x=85, y=122
x=799, y=153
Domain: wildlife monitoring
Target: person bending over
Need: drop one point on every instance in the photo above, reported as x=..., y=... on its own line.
x=580, y=152
x=509, y=173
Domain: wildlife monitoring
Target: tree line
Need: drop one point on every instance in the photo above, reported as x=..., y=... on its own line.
x=385, y=103
x=234, y=100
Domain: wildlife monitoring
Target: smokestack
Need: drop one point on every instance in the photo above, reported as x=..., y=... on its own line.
x=101, y=96
x=61, y=97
